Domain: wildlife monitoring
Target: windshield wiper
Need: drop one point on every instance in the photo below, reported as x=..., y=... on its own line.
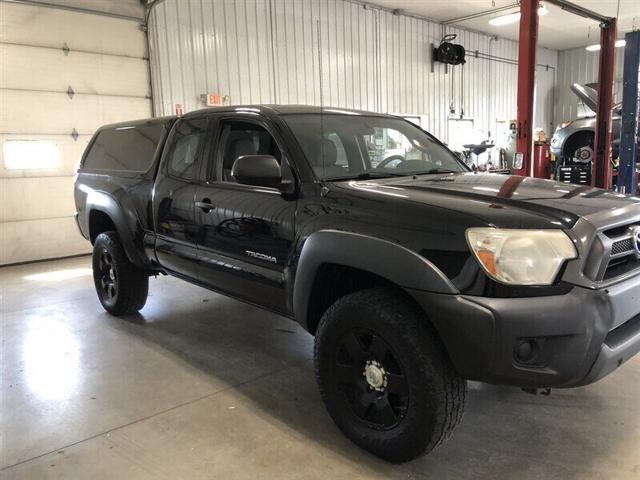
x=434, y=171
x=370, y=175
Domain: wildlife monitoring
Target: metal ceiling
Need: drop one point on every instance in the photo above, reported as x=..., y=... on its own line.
x=558, y=29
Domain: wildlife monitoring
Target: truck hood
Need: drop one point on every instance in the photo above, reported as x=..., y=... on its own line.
x=506, y=201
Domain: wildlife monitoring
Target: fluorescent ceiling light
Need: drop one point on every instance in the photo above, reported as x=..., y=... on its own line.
x=596, y=47
x=505, y=19
x=510, y=18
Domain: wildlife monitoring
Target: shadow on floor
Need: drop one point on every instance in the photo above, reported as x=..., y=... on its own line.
x=506, y=433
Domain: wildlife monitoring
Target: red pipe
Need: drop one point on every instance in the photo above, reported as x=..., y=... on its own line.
x=602, y=143
x=526, y=81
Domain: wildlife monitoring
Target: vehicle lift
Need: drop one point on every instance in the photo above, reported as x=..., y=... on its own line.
x=630, y=133
x=526, y=84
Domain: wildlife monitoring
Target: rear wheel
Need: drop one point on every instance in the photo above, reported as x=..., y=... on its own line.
x=384, y=376
x=122, y=287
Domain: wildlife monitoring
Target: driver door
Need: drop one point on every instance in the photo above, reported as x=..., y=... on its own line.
x=246, y=231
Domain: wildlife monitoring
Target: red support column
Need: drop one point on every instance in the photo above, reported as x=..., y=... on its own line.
x=526, y=81
x=509, y=186
x=602, y=143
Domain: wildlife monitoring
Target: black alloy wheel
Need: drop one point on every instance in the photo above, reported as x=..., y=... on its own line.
x=108, y=276
x=371, y=380
x=121, y=286
x=385, y=376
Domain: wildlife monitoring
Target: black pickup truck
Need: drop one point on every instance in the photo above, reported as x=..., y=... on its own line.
x=413, y=273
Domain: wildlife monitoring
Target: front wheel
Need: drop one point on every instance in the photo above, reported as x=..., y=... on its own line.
x=122, y=287
x=384, y=376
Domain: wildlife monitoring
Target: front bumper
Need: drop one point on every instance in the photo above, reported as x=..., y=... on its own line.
x=558, y=341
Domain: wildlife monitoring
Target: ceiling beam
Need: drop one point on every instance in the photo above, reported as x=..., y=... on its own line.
x=74, y=8
x=580, y=11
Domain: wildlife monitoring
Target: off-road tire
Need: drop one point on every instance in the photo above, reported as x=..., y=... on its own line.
x=436, y=393
x=131, y=283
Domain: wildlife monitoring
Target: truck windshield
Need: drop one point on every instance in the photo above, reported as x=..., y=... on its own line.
x=340, y=146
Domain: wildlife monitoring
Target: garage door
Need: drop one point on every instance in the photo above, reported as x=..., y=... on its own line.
x=62, y=75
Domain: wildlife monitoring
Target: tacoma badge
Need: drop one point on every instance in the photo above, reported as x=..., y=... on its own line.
x=261, y=256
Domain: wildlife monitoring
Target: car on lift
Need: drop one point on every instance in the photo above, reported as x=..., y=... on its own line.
x=414, y=275
x=572, y=142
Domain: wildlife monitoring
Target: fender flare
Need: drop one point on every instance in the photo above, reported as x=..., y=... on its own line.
x=126, y=222
x=386, y=259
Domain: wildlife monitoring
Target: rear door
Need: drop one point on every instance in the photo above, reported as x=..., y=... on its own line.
x=246, y=231
x=174, y=197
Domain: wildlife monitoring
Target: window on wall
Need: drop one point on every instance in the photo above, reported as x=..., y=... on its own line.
x=30, y=155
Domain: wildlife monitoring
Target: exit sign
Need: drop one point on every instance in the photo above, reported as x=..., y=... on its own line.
x=213, y=99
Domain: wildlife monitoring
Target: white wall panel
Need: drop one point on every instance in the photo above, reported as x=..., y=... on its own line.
x=580, y=66
x=46, y=69
x=28, y=240
x=36, y=198
x=48, y=27
x=55, y=113
x=106, y=69
x=335, y=53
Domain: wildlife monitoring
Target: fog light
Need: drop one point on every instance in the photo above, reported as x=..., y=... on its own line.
x=525, y=352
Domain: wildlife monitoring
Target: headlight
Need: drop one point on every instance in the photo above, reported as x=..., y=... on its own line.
x=521, y=257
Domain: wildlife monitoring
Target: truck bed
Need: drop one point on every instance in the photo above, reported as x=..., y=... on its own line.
x=120, y=165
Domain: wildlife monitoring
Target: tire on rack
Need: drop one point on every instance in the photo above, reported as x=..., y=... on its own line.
x=121, y=286
x=384, y=375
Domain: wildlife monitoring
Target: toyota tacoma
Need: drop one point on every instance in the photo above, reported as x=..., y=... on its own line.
x=413, y=273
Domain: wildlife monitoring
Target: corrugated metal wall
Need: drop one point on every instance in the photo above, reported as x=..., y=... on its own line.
x=580, y=66
x=333, y=52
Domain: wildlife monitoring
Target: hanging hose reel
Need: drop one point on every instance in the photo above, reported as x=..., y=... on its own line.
x=449, y=53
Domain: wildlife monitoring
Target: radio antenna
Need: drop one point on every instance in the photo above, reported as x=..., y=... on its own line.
x=321, y=96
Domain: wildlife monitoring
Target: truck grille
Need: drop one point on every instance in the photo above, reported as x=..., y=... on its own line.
x=622, y=256
x=620, y=266
x=622, y=246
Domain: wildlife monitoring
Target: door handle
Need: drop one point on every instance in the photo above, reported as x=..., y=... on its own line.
x=205, y=205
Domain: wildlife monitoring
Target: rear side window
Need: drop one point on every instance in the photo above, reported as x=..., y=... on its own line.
x=129, y=148
x=185, y=148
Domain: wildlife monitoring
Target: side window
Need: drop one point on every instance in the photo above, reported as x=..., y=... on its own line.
x=243, y=138
x=124, y=148
x=187, y=143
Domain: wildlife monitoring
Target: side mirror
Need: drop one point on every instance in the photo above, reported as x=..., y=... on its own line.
x=260, y=170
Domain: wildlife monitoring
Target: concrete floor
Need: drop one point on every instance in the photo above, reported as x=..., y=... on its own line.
x=202, y=386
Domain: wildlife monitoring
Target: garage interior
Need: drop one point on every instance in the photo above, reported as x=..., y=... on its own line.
x=199, y=385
